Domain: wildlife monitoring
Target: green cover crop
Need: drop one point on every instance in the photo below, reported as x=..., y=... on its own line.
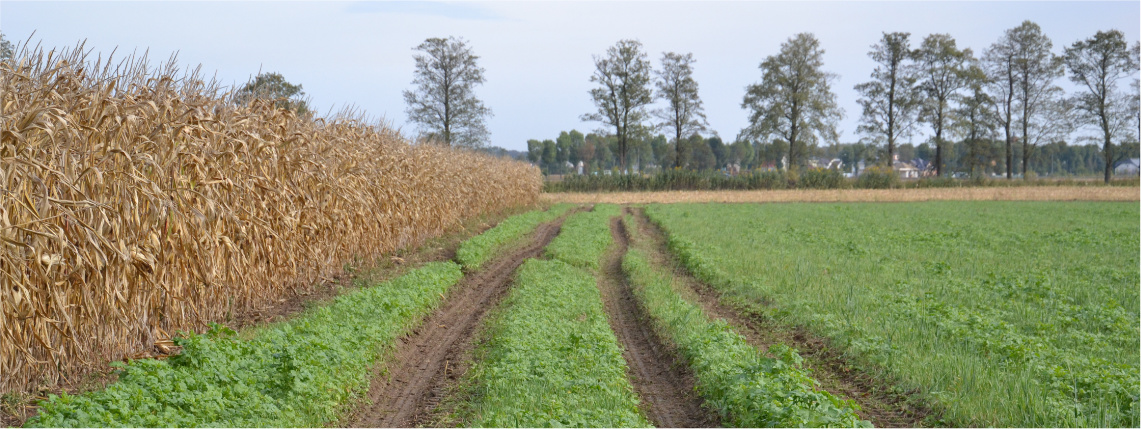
x=551, y=359
x=299, y=373
x=584, y=237
x=1000, y=313
x=746, y=388
x=477, y=250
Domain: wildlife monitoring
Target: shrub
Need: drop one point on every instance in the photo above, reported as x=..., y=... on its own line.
x=821, y=178
x=878, y=177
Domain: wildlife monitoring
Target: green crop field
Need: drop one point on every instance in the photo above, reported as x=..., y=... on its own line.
x=973, y=313
x=552, y=360
x=747, y=388
x=1000, y=313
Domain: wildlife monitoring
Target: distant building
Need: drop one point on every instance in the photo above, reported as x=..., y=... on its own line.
x=834, y=163
x=906, y=170
x=1129, y=167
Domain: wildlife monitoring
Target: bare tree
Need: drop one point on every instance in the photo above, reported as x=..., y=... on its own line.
x=890, y=98
x=624, y=76
x=942, y=67
x=443, y=103
x=685, y=113
x=794, y=101
x=1097, y=64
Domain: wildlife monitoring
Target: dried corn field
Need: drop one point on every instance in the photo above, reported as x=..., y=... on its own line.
x=139, y=201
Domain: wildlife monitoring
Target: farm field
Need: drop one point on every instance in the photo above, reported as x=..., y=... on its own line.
x=551, y=359
x=963, y=313
x=999, y=313
x=181, y=246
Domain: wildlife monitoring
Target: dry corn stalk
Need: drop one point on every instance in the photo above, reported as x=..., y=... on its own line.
x=135, y=202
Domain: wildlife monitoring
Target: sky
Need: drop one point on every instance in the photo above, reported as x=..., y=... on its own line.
x=538, y=55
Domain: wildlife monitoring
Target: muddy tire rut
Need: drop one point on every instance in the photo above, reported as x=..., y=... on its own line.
x=663, y=383
x=878, y=405
x=434, y=357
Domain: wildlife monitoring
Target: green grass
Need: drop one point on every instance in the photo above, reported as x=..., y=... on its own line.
x=744, y=387
x=300, y=373
x=1001, y=313
x=584, y=237
x=477, y=250
x=551, y=359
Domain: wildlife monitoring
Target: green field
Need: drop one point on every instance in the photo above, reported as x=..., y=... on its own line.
x=990, y=313
x=1000, y=314
x=551, y=359
x=746, y=388
x=299, y=373
x=473, y=253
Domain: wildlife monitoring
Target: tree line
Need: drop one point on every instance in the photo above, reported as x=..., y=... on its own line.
x=1011, y=88
x=1008, y=94
x=652, y=153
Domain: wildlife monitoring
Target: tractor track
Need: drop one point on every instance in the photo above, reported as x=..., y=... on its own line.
x=427, y=363
x=663, y=382
x=879, y=402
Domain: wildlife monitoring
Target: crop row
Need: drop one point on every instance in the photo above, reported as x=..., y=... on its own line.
x=584, y=237
x=551, y=359
x=745, y=387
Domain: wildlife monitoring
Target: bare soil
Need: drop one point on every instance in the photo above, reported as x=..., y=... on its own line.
x=880, y=403
x=663, y=383
x=429, y=362
x=1022, y=193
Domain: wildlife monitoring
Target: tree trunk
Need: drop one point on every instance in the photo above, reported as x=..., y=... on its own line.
x=1009, y=154
x=938, y=156
x=677, y=160
x=791, y=148
x=1108, y=149
x=890, y=153
x=1025, y=150
x=939, y=147
x=625, y=129
x=891, y=121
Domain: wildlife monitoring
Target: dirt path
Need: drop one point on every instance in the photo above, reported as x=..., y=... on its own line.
x=437, y=354
x=878, y=405
x=664, y=385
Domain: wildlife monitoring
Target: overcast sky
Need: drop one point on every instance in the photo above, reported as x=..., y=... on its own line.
x=537, y=54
